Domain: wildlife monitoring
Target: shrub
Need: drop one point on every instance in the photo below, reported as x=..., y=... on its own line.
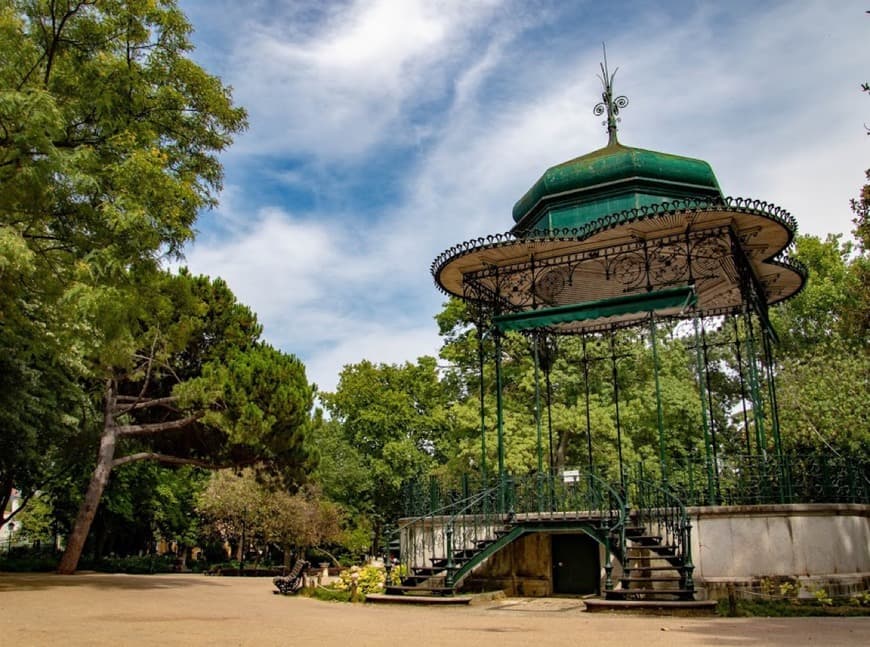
x=368, y=579
x=327, y=594
x=136, y=564
x=37, y=562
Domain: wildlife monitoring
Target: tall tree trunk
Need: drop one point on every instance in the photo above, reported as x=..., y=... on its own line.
x=76, y=542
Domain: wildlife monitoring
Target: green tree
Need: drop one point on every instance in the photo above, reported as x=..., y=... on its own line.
x=302, y=521
x=392, y=416
x=237, y=502
x=824, y=372
x=823, y=400
x=231, y=504
x=827, y=306
x=242, y=405
x=109, y=136
x=35, y=521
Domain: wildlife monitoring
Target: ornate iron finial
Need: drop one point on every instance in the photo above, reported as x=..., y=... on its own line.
x=608, y=103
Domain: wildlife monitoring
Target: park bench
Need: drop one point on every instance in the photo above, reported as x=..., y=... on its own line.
x=294, y=580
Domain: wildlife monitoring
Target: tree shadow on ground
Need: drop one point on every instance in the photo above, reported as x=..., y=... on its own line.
x=15, y=582
x=776, y=631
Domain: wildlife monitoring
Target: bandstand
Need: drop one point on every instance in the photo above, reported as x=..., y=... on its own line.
x=620, y=240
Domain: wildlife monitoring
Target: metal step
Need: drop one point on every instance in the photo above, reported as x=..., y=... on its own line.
x=621, y=594
x=627, y=581
x=396, y=589
x=650, y=539
x=416, y=580
x=649, y=558
x=657, y=548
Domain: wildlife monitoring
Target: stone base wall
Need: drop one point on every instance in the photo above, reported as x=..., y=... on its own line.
x=810, y=545
x=716, y=588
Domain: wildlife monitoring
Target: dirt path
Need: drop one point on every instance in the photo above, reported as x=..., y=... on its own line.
x=197, y=610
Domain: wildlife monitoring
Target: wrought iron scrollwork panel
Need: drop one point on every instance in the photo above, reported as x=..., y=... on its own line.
x=705, y=257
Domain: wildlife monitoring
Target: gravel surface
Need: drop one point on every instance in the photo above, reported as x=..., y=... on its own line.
x=99, y=609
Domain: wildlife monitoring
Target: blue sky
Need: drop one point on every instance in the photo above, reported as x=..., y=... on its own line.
x=383, y=132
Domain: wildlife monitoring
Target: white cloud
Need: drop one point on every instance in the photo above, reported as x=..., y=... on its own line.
x=379, y=343
x=767, y=94
x=342, y=87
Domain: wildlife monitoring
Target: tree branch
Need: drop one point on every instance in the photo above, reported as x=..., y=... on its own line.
x=137, y=403
x=167, y=458
x=156, y=427
x=150, y=363
x=23, y=502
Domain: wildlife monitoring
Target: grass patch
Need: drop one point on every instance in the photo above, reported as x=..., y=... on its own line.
x=327, y=594
x=792, y=608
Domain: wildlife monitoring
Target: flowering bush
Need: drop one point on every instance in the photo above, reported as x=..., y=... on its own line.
x=369, y=579
x=398, y=573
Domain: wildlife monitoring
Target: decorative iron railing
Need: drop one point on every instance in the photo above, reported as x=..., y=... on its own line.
x=450, y=526
x=661, y=514
x=459, y=532
x=770, y=479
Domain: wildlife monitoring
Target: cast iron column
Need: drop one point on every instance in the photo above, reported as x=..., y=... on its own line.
x=659, y=416
x=711, y=490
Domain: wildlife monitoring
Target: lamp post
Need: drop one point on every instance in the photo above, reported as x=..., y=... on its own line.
x=242, y=548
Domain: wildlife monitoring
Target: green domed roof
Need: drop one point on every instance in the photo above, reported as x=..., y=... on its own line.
x=607, y=181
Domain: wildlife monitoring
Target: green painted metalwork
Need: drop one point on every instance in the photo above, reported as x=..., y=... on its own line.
x=745, y=479
x=615, y=378
x=754, y=386
x=588, y=413
x=548, y=358
x=661, y=512
x=659, y=415
x=714, y=445
x=482, y=403
x=585, y=500
x=707, y=453
x=609, y=104
x=612, y=179
x=737, y=345
x=455, y=578
x=538, y=406
x=753, y=479
x=499, y=408
x=693, y=253
x=456, y=537
x=676, y=297
x=774, y=413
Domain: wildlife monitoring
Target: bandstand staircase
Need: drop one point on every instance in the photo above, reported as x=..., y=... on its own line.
x=652, y=570
x=650, y=541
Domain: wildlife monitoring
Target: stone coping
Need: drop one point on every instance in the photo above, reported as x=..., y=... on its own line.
x=440, y=600
x=782, y=509
x=597, y=604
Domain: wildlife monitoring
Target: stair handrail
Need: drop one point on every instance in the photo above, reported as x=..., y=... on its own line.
x=407, y=560
x=602, y=496
x=659, y=504
x=467, y=525
x=475, y=527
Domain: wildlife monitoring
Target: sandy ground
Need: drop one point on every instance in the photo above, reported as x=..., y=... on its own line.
x=96, y=609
